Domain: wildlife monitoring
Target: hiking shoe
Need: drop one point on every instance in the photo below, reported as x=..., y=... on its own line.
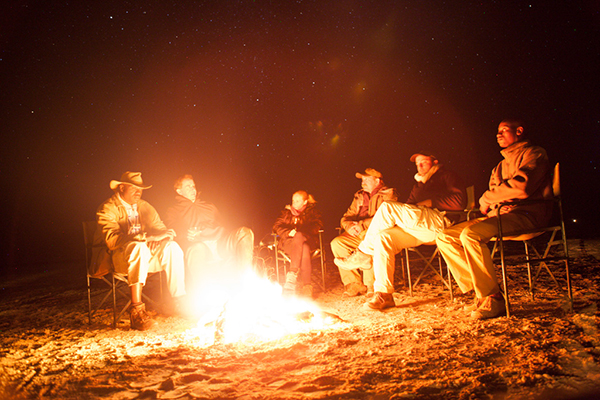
x=477, y=302
x=354, y=289
x=140, y=320
x=290, y=282
x=356, y=260
x=381, y=301
x=370, y=291
x=491, y=307
x=307, y=291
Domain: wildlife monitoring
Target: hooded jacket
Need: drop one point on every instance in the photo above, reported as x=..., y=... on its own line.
x=523, y=174
x=353, y=213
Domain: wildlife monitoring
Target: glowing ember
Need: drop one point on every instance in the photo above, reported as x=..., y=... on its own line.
x=257, y=312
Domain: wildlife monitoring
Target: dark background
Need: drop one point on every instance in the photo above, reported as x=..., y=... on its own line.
x=258, y=99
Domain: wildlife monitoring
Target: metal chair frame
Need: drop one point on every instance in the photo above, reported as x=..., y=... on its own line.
x=282, y=258
x=526, y=236
x=112, y=280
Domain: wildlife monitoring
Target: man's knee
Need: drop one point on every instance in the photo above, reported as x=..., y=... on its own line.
x=469, y=235
x=173, y=249
x=386, y=237
x=336, y=244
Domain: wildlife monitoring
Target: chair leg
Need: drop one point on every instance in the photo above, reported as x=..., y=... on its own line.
x=439, y=257
x=566, y=251
x=114, y=293
x=322, y=257
x=89, y=290
x=410, y=291
x=528, y=268
x=500, y=242
x=276, y=263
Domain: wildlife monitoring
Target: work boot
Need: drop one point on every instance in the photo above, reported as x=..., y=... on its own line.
x=289, y=286
x=356, y=260
x=477, y=302
x=354, y=289
x=381, y=301
x=493, y=306
x=139, y=318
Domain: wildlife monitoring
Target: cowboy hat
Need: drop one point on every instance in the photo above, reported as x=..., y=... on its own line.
x=130, y=178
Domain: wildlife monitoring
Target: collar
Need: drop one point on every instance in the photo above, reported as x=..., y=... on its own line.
x=424, y=178
x=129, y=207
x=515, y=147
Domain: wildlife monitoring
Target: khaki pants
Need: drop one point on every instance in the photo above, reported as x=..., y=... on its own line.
x=137, y=261
x=464, y=247
x=344, y=245
x=396, y=226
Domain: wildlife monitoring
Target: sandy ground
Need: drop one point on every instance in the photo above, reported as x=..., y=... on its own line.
x=425, y=348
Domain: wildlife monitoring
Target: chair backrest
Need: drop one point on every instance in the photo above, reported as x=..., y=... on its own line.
x=97, y=259
x=470, y=198
x=556, y=181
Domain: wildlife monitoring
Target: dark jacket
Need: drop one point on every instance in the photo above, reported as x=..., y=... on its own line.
x=308, y=222
x=185, y=214
x=445, y=189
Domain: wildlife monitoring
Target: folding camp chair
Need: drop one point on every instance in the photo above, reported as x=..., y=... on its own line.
x=469, y=212
x=117, y=283
x=281, y=258
x=557, y=237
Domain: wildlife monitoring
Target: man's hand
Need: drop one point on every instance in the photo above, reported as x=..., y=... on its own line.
x=426, y=203
x=192, y=233
x=484, y=209
x=154, y=241
x=355, y=229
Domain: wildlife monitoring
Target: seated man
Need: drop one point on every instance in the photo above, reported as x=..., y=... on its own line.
x=203, y=239
x=355, y=222
x=397, y=226
x=138, y=242
x=523, y=174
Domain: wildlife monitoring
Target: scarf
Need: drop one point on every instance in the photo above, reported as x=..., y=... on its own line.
x=424, y=178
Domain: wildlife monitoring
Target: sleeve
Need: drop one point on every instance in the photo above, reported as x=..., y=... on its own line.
x=453, y=197
x=108, y=223
x=151, y=222
x=282, y=227
x=530, y=173
x=313, y=223
x=390, y=195
x=413, y=194
x=351, y=214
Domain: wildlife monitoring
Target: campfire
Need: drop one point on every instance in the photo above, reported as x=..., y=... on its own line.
x=256, y=311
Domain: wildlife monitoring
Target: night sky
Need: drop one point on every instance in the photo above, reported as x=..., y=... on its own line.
x=257, y=99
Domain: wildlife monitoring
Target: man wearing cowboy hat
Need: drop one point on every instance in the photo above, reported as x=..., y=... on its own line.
x=139, y=243
x=355, y=222
x=397, y=226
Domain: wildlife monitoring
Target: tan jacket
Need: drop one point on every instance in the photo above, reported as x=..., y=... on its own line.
x=351, y=215
x=523, y=174
x=111, y=233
